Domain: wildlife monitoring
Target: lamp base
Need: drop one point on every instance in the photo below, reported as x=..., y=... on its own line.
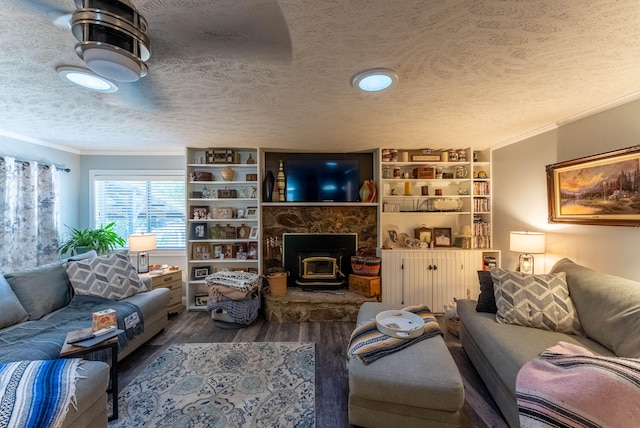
x=526, y=263
x=143, y=262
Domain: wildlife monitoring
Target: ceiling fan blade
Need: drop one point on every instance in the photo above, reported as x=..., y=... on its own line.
x=50, y=8
x=234, y=29
x=140, y=95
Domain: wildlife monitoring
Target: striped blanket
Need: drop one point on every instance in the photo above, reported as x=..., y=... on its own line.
x=37, y=394
x=367, y=343
x=568, y=386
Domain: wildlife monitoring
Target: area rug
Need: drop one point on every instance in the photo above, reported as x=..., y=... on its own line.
x=260, y=384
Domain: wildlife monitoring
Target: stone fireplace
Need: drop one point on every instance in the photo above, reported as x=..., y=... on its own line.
x=323, y=301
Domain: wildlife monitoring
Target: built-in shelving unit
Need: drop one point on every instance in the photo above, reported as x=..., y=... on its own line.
x=223, y=211
x=429, y=189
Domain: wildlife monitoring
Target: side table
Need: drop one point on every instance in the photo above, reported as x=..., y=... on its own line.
x=171, y=279
x=73, y=351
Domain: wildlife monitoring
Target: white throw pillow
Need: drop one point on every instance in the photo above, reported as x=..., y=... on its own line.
x=539, y=301
x=111, y=276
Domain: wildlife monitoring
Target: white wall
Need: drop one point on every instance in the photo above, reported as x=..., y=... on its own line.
x=520, y=195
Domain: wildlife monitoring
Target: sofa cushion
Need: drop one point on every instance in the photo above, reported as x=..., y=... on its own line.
x=111, y=276
x=539, y=301
x=608, y=306
x=41, y=290
x=486, y=299
x=11, y=311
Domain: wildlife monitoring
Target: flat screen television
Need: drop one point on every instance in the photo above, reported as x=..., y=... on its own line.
x=322, y=180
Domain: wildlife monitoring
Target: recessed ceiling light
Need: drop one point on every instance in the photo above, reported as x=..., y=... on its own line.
x=375, y=79
x=86, y=78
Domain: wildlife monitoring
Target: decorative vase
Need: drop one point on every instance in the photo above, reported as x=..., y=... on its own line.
x=228, y=174
x=281, y=182
x=267, y=186
x=251, y=160
x=368, y=191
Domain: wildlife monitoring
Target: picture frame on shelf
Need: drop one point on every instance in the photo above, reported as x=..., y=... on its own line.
x=424, y=234
x=595, y=190
x=199, y=249
x=240, y=251
x=253, y=234
x=227, y=251
x=198, y=212
x=199, y=231
x=224, y=212
x=252, y=251
x=442, y=237
x=218, y=251
x=251, y=212
x=200, y=272
x=200, y=300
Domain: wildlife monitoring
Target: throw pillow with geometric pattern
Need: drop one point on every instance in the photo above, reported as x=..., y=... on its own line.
x=111, y=276
x=539, y=301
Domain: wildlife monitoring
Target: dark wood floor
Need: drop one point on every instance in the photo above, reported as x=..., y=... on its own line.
x=331, y=340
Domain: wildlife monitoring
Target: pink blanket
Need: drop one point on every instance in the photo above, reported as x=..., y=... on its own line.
x=568, y=386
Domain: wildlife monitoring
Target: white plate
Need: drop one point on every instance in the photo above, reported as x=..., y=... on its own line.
x=400, y=324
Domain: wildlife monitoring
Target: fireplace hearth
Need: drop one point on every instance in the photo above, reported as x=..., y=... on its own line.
x=318, y=261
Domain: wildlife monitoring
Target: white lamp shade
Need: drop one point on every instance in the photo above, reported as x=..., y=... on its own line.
x=527, y=242
x=142, y=242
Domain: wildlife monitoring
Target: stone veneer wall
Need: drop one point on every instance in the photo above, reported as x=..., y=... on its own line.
x=317, y=219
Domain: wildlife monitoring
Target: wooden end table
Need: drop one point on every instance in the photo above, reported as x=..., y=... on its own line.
x=73, y=351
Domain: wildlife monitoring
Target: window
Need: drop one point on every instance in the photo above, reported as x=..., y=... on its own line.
x=141, y=201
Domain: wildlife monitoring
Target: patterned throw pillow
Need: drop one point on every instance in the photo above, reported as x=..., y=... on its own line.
x=540, y=301
x=111, y=276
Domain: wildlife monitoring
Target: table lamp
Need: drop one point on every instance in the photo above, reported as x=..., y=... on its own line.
x=527, y=243
x=142, y=243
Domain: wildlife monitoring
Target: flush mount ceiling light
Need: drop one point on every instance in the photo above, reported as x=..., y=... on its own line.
x=112, y=38
x=86, y=78
x=375, y=79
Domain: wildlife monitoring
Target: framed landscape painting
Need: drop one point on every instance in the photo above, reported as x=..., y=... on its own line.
x=602, y=189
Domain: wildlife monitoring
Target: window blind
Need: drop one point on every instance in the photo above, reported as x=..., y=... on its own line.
x=137, y=203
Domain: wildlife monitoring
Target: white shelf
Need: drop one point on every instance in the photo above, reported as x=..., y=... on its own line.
x=222, y=165
x=224, y=261
x=320, y=204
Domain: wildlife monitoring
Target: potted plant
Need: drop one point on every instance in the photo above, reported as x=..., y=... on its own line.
x=102, y=239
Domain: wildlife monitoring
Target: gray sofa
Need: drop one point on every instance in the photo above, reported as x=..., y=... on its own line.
x=38, y=307
x=608, y=308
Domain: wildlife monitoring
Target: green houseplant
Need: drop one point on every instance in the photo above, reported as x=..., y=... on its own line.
x=102, y=239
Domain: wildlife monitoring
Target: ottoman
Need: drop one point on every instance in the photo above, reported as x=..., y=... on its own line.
x=419, y=386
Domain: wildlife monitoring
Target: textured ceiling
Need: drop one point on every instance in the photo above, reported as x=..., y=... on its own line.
x=277, y=74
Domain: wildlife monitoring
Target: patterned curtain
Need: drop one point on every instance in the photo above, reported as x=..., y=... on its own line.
x=29, y=211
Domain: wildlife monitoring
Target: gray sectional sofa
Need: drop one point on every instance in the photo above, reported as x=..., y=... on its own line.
x=39, y=306
x=608, y=309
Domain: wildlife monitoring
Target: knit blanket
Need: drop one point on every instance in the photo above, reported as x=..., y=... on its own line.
x=368, y=344
x=568, y=386
x=37, y=394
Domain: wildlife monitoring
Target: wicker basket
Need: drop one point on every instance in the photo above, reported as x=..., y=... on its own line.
x=453, y=325
x=278, y=284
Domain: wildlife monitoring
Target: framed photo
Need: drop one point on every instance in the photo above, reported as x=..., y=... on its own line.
x=252, y=250
x=251, y=212
x=240, y=250
x=600, y=189
x=253, y=234
x=224, y=212
x=199, y=231
x=198, y=251
x=227, y=250
x=442, y=237
x=200, y=272
x=198, y=211
x=218, y=251
x=200, y=300
x=424, y=234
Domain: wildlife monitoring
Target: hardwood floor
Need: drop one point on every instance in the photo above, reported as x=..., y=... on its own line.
x=331, y=340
